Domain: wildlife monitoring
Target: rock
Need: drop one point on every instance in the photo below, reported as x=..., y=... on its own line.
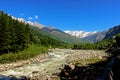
x=35, y=72
x=71, y=66
x=44, y=73
x=8, y=66
x=23, y=78
x=12, y=77
x=100, y=57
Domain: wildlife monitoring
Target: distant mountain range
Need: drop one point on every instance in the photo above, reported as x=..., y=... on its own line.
x=74, y=36
x=60, y=35
x=88, y=36
x=52, y=32
x=77, y=36
x=55, y=33
x=98, y=36
x=80, y=34
x=95, y=36
x=112, y=32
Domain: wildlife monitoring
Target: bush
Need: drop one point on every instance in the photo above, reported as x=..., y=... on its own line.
x=32, y=51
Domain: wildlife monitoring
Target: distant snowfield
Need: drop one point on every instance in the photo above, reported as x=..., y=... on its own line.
x=52, y=65
x=80, y=34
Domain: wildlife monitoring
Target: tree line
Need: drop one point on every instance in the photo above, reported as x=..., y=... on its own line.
x=16, y=36
x=39, y=37
x=101, y=45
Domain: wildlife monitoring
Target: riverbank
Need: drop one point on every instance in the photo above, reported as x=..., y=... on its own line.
x=8, y=66
x=32, y=51
x=51, y=64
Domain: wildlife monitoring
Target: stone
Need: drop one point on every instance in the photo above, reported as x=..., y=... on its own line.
x=72, y=66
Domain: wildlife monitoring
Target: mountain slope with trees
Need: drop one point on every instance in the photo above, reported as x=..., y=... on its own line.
x=17, y=35
x=112, y=31
x=14, y=35
x=97, y=36
x=20, y=41
x=103, y=35
x=61, y=36
x=56, y=34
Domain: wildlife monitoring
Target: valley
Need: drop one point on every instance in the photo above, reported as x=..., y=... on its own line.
x=50, y=66
x=59, y=40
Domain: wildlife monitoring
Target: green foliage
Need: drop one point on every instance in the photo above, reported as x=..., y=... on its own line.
x=117, y=38
x=14, y=35
x=59, y=35
x=32, y=51
x=84, y=46
x=104, y=44
x=37, y=37
x=18, y=41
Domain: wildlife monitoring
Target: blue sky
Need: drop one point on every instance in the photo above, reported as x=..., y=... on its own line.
x=86, y=15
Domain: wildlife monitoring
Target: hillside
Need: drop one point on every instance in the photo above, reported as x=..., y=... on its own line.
x=38, y=37
x=55, y=33
x=14, y=35
x=95, y=36
x=60, y=35
x=88, y=36
x=17, y=35
x=112, y=31
x=98, y=36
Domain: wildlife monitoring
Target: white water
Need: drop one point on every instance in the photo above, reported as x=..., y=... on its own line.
x=52, y=64
x=48, y=66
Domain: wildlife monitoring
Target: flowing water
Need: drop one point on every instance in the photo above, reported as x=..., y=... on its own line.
x=48, y=66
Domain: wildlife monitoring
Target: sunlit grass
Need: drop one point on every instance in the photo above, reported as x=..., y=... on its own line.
x=86, y=62
x=32, y=51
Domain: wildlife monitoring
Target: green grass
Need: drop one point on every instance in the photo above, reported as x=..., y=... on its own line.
x=32, y=51
x=86, y=62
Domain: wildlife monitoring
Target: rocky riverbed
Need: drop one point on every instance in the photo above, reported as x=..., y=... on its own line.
x=47, y=66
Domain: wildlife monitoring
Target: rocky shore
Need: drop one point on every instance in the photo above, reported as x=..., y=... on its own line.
x=48, y=66
x=8, y=66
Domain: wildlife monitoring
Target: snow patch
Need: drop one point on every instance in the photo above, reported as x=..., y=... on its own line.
x=80, y=34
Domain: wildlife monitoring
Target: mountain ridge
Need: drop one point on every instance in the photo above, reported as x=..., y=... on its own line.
x=52, y=32
x=80, y=34
x=75, y=36
x=95, y=36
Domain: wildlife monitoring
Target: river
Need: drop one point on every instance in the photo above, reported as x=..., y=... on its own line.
x=51, y=65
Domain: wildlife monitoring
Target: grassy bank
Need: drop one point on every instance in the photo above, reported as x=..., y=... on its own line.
x=32, y=51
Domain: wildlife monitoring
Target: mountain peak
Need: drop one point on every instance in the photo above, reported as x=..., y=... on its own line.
x=38, y=25
x=51, y=27
x=80, y=34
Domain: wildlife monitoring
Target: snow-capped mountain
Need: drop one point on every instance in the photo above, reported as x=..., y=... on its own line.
x=80, y=34
x=51, y=32
x=88, y=36
x=35, y=24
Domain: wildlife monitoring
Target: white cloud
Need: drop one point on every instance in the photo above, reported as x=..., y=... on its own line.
x=36, y=17
x=30, y=18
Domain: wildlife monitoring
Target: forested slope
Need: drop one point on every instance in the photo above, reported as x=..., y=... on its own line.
x=17, y=35
x=14, y=35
